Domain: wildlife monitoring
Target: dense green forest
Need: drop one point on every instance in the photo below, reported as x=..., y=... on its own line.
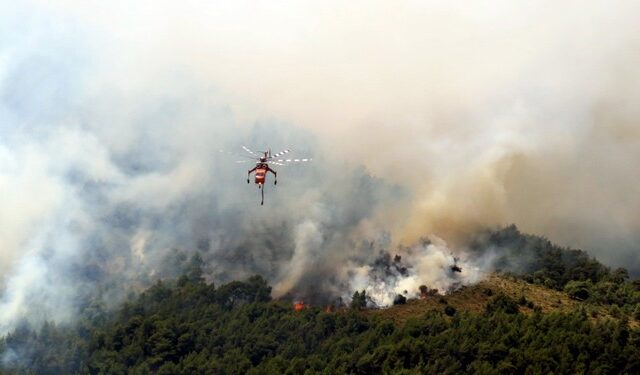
x=187, y=326
x=537, y=260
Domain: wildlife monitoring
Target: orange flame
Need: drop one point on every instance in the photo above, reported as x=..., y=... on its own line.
x=299, y=306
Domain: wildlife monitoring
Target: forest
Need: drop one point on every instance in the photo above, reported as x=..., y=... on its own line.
x=189, y=326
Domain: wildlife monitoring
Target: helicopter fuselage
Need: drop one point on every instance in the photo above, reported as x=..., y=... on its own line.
x=263, y=167
x=261, y=174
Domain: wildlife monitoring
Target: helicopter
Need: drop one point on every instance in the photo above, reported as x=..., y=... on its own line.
x=263, y=160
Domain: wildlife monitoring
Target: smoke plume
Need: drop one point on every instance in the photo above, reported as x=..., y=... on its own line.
x=429, y=264
x=430, y=118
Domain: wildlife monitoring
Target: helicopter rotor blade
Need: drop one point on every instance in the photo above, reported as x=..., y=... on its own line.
x=280, y=153
x=237, y=155
x=247, y=161
x=294, y=160
x=251, y=152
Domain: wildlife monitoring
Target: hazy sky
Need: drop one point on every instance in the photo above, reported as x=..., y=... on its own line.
x=489, y=113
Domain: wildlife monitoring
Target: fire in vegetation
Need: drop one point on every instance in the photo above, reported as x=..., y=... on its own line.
x=425, y=292
x=424, y=270
x=299, y=305
x=392, y=279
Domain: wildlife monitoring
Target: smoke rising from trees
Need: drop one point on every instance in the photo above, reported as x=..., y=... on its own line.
x=423, y=119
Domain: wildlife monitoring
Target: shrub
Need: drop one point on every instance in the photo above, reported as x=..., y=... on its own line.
x=450, y=310
x=504, y=303
x=578, y=290
x=399, y=299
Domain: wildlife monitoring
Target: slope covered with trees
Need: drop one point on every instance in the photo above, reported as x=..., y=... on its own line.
x=536, y=260
x=187, y=326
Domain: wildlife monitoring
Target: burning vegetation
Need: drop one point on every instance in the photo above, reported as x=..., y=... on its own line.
x=299, y=305
x=425, y=292
x=426, y=269
x=422, y=271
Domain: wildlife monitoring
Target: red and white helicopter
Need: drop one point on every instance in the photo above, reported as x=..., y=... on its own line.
x=263, y=160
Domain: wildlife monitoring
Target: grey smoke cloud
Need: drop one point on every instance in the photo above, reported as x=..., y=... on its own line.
x=93, y=209
x=464, y=116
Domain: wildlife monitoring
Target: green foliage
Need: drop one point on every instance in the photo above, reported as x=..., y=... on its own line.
x=359, y=300
x=539, y=261
x=192, y=328
x=189, y=327
x=579, y=290
x=621, y=294
x=502, y=303
x=536, y=260
x=449, y=310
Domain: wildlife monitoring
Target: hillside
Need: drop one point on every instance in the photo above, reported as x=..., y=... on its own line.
x=538, y=320
x=475, y=299
x=189, y=327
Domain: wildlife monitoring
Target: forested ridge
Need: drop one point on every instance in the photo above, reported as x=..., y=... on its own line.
x=189, y=326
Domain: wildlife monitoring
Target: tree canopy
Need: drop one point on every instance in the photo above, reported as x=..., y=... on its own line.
x=189, y=326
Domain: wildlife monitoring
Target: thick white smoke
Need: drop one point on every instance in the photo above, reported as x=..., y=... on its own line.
x=428, y=264
x=464, y=115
